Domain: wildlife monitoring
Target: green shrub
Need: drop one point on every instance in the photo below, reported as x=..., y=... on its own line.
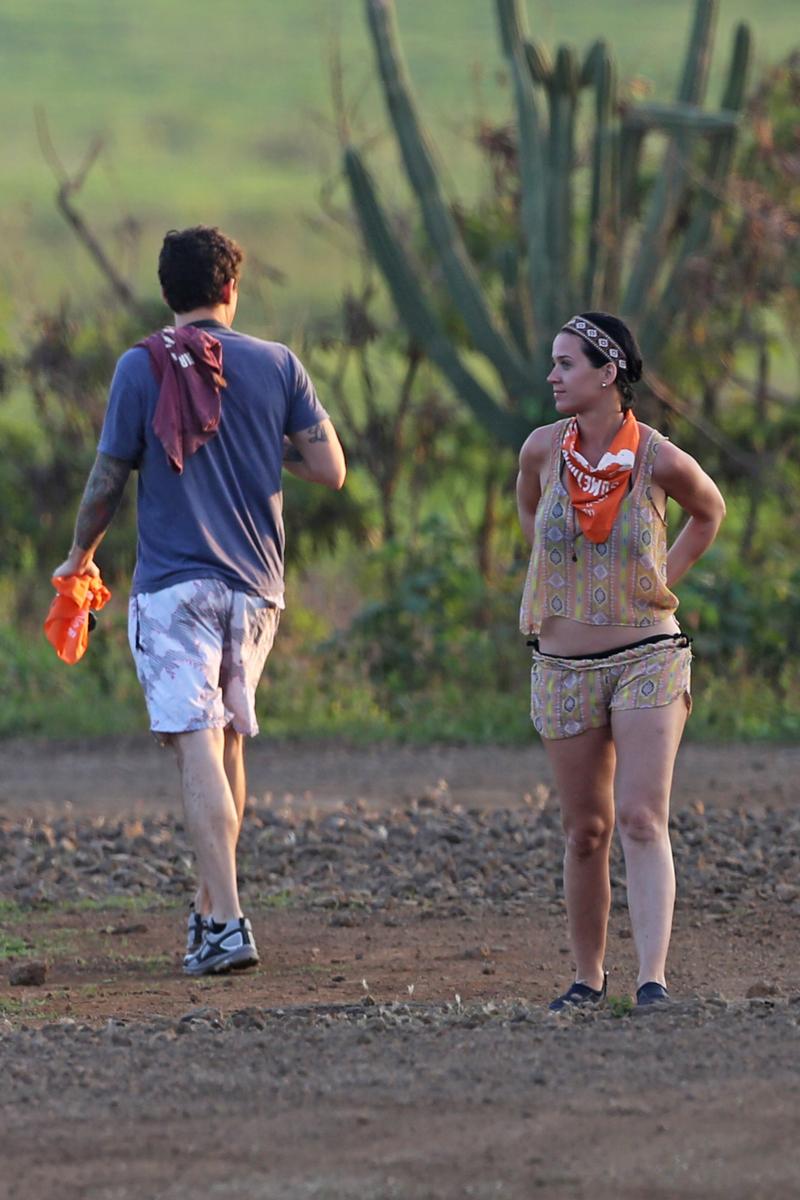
x=40, y=694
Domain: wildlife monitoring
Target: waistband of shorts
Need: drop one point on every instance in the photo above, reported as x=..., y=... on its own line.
x=678, y=641
x=208, y=583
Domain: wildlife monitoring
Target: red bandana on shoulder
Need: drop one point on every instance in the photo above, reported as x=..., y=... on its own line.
x=597, y=492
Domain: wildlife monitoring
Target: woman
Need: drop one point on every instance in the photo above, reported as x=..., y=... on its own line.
x=610, y=675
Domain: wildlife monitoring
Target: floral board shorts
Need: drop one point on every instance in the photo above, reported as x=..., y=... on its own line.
x=200, y=649
x=571, y=695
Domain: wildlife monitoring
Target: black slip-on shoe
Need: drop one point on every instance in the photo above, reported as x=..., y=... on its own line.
x=650, y=994
x=580, y=995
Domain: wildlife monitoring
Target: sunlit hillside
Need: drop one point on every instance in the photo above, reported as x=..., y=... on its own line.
x=223, y=112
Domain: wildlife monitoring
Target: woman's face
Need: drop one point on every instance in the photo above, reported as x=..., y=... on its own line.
x=577, y=385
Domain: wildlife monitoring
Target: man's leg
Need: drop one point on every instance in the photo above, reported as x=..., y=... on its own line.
x=252, y=624
x=233, y=763
x=212, y=818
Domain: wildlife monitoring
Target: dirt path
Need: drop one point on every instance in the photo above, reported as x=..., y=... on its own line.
x=113, y=776
x=131, y=1081
x=394, y=1042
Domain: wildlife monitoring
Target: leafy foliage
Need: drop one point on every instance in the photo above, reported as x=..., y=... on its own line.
x=404, y=588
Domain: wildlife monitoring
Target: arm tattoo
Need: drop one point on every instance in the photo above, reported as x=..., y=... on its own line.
x=290, y=453
x=101, y=499
x=316, y=433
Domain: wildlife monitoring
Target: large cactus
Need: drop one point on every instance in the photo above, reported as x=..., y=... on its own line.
x=563, y=272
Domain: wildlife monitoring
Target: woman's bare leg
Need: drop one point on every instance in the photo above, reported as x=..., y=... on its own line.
x=647, y=741
x=583, y=767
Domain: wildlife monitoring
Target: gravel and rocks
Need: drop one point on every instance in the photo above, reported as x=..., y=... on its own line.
x=419, y=1102
x=430, y=852
x=30, y=973
x=302, y=1045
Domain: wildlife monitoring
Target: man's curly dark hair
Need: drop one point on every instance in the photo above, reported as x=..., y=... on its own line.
x=194, y=265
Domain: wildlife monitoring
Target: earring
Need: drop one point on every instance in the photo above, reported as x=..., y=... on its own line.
x=603, y=385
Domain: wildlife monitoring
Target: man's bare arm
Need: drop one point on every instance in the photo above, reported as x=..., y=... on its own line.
x=316, y=455
x=291, y=455
x=101, y=498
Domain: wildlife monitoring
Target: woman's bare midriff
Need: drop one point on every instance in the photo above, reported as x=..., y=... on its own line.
x=561, y=635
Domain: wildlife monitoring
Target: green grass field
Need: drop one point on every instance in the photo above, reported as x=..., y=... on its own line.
x=222, y=112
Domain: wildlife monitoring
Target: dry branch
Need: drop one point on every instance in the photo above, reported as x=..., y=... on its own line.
x=748, y=463
x=68, y=187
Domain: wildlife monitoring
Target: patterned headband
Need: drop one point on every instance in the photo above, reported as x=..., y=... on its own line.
x=598, y=338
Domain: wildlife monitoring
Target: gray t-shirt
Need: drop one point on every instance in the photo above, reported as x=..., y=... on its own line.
x=223, y=517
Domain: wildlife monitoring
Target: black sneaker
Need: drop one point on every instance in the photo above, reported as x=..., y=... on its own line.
x=578, y=995
x=652, y=993
x=194, y=930
x=229, y=947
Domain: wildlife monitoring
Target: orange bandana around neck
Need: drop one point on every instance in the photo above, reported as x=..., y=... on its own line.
x=597, y=492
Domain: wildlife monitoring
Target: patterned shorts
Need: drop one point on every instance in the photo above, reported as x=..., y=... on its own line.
x=571, y=695
x=200, y=649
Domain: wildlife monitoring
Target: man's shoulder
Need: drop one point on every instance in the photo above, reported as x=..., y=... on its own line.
x=133, y=367
x=134, y=355
x=260, y=354
x=274, y=350
x=135, y=359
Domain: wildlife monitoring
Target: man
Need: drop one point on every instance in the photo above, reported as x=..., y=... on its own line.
x=207, y=417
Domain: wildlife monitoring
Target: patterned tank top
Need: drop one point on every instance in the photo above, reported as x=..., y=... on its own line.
x=618, y=582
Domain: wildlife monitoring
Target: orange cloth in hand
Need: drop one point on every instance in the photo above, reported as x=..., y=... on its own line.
x=66, y=625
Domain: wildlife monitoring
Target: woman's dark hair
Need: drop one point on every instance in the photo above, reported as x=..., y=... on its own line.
x=622, y=335
x=194, y=265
